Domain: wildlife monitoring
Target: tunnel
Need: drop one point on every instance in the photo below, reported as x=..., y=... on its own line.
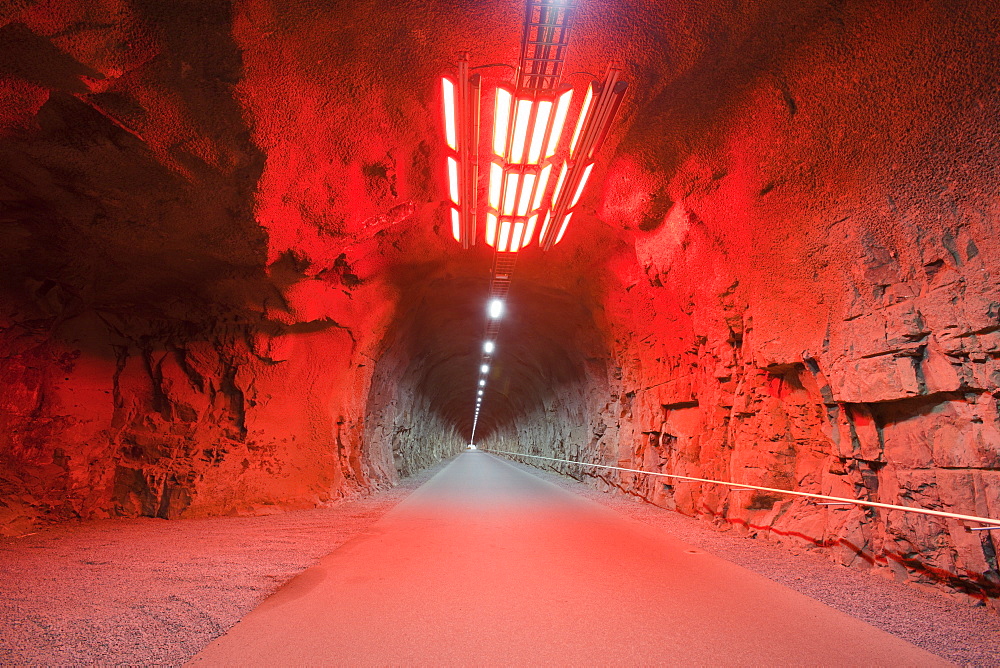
x=230, y=286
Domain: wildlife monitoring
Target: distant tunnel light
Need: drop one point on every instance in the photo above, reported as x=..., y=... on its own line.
x=482, y=382
x=489, y=347
x=480, y=392
x=484, y=368
x=496, y=308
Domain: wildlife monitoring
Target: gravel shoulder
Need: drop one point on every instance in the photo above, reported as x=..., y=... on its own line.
x=154, y=592
x=930, y=620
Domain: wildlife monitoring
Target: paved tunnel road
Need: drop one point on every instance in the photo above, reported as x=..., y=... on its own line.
x=488, y=565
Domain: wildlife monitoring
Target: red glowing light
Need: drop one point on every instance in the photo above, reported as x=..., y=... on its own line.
x=521, y=122
x=460, y=97
x=545, y=226
x=583, y=119
x=599, y=108
x=450, y=127
x=565, y=224
x=510, y=194
x=504, y=236
x=543, y=181
x=528, y=124
x=456, y=225
x=524, y=200
x=520, y=239
x=583, y=183
x=559, y=184
x=453, y=179
x=491, y=228
x=538, y=132
x=501, y=121
x=562, y=109
x=529, y=232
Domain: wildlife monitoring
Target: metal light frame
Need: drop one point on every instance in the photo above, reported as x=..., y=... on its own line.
x=462, y=95
x=596, y=117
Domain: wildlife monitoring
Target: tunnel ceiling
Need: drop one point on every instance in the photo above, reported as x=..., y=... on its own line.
x=260, y=161
x=214, y=160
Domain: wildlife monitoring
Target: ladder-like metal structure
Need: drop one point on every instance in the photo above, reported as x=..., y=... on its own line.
x=547, y=27
x=544, y=42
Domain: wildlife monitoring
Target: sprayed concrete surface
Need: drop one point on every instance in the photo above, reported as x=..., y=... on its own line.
x=486, y=564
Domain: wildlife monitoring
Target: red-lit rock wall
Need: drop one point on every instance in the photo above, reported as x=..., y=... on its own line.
x=811, y=295
x=202, y=210
x=168, y=424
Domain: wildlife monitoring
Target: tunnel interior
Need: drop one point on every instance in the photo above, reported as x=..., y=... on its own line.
x=229, y=287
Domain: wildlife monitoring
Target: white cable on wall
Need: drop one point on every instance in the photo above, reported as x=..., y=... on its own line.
x=857, y=502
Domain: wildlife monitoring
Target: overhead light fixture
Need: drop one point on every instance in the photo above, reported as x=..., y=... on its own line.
x=529, y=118
x=536, y=176
x=527, y=129
x=596, y=117
x=461, y=98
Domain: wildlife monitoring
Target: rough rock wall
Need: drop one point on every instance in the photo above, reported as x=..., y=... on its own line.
x=811, y=299
x=401, y=418
x=167, y=423
x=200, y=225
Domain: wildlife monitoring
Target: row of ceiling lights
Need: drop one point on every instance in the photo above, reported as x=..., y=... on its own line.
x=523, y=201
x=494, y=311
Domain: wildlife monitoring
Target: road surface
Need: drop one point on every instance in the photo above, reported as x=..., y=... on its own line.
x=486, y=564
